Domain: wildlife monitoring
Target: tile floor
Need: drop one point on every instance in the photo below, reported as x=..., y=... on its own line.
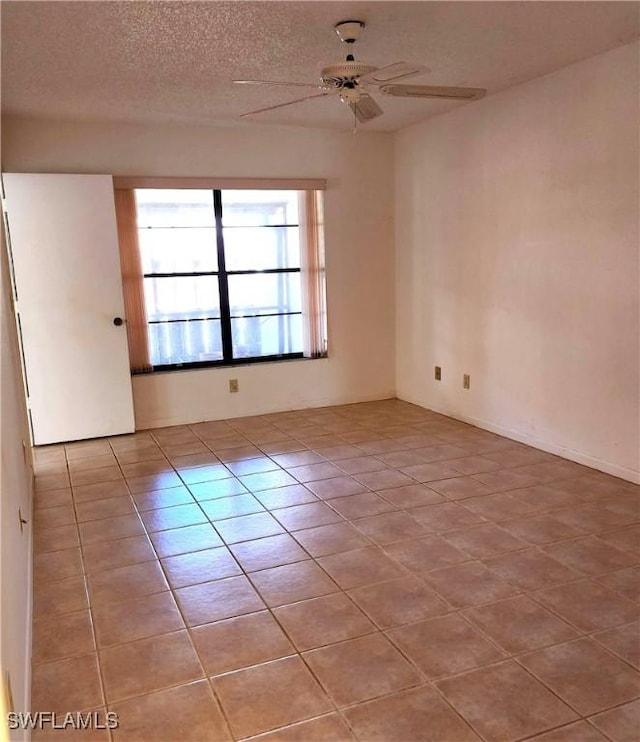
x=373, y=572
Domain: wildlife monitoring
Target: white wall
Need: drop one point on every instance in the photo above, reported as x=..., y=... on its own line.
x=517, y=262
x=359, y=244
x=15, y=494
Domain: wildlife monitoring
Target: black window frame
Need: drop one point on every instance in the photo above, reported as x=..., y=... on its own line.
x=225, y=318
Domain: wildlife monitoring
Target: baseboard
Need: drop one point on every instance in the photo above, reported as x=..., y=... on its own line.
x=630, y=475
x=307, y=404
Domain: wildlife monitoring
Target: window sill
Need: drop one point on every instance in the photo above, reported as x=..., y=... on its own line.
x=222, y=366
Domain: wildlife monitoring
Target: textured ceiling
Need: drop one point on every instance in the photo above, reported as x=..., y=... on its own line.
x=174, y=61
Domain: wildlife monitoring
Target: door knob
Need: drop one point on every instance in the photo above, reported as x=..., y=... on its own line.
x=117, y=321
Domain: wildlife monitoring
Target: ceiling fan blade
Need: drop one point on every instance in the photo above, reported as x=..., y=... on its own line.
x=365, y=108
x=393, y=72
x=433, y=91
x=282, y=105
x=273, y=82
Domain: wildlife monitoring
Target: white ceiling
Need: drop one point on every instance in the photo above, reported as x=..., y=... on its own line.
x=174, y=61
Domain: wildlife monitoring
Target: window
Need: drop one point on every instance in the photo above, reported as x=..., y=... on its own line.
x=222, y=276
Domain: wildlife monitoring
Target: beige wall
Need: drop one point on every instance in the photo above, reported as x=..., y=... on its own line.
x=517, y=262
x=359, y=242
x=15, y=494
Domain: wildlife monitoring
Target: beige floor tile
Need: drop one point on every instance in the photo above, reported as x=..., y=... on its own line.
x=391, y=527
x=321, y=621
x=248, y=527
x=620, y=724
x=210, y=473
x=623, y=641
x=315, y=472
x=519, y=624
x=331, y=539
x=384, y=479
x=310, y=515
x=425, y=554
x=361, y=669
x=92, y=462
x=100, y=491
x=151, y=482
x=485, y=540
x=163, y=498
x=468, y=584
x=56, y=565
x=588, y=605
x=60, y=637
x=45, y=482
x=320, y=729
x=240, y=642
x=418, y=715
x=54, y=539
x=431, y=472
x=360, y=567
x=500, y=506
x=215, y=490
x=267, y=480
x=52, y=498
x=446, y=516
x=540, y=529
x=179, y=516
x=297, y=458
x=579, y=731
x=336, y=487
x=360, y=464
x=110, y=529
x=585, y=675
x=103, y=555
x=185, y=540
x=67, y=685
x=531, y=569
x=231, y=507
x=445, y=646
x=590, y=555
x=109, y=508
x=253, y=698
x=126, y=583
x=200, y=566
x=96, y=476
x=60, y=596
x=627, y=539
x=292, y=582
x=284, y=497
x=51, y=517
x=213, y=601
x=148, y=665
x=271, y=551
x=398, y=602
x=154, y=717
x=503, y=702
x=461, y=488
x=151, y=615
x=410, y=496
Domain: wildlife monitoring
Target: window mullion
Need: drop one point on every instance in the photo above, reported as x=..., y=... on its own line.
x=223, y=283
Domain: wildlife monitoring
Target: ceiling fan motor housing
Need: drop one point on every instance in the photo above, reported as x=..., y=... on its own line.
x=345, y=74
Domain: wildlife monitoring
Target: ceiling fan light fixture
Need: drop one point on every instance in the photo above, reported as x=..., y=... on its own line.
x=349, y=31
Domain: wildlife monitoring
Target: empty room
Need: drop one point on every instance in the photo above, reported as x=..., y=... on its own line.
x=320, y=371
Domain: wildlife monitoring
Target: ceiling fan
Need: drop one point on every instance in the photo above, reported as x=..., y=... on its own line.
x=352, y=81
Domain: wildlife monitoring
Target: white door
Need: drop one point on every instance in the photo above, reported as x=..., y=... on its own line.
x=64, y=248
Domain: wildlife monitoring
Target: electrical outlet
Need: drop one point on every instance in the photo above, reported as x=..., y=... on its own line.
x=466, y=381
x=438, y=373
x=233, y=385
